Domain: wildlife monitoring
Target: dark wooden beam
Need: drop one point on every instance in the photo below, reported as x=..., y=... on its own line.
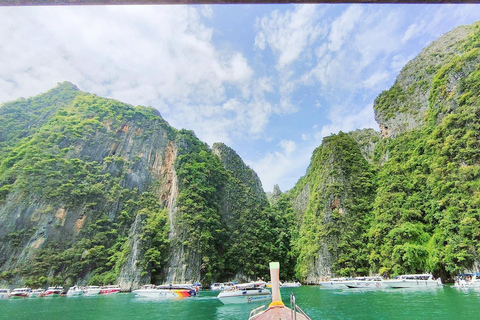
x=183, y=2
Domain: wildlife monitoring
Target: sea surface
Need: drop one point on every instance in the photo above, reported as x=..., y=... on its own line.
x=443, y=303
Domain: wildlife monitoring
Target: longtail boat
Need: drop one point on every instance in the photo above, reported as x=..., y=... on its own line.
x=277, y=309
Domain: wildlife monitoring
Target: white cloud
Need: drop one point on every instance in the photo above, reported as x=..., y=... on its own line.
x=288, y=146
x=412, y=31
x=375, y=79
x=282, y=168
x=135, y=54
x=289, y=34
x=162, y=56
x=347, y=118
x=343, y=27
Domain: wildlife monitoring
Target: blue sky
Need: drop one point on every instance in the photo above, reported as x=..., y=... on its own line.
x=270, y=81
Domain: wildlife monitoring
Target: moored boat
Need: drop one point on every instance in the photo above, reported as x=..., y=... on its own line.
x=468, y=280
x=218, y=286
x=20, y=292
x=91, y=290
x=37, y=293
x=4, y=293
x=53, y=292
x=111, y=289
x=222, y=286
x=277, y=309
x=190, y=288
x=245, y=292
x=366, y=283
x=414, y=281
x=335, y=283
x=74, y=291
x=153, y=291
x=293, y=284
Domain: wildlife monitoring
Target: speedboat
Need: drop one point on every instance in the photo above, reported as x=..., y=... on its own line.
x=153, y=291
x=414, y=281
x=91, y=291
x=366, y=283
x=20, y=292
x=468, y=280
x=335, y=283
x=293, y=284
x=190, y=288
x=245, y=292
x=222, y=286
x=74, y=291
x=217, y=286
x=37, y=293
x=4, y=293
x=112, y=289
x=53, y=292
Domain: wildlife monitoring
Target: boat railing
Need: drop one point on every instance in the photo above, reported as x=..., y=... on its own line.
x=295, y=308
x=256, y=311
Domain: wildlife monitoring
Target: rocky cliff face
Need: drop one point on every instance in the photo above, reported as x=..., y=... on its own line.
x=96, y=191
x=404, y=204
x=404, y=106
x=338, y=187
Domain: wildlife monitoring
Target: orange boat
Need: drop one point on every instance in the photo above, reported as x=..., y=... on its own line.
x=277, y=309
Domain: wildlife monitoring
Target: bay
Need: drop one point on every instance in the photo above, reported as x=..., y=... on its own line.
x=442, y=303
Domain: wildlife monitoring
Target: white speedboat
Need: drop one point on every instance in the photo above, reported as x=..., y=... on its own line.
x=245, y=292
x=468, y=280
x=155, y=292
x=111, y=289
x=91, y=290
x=4, y=293
x=37, y=293
x=335, y=283
x=191, y=289
x=74, y=291
x=20, y=292
x=151, y=291
x=414, y=281
x=222, y=286
x=53, y=292
x=293, y=284
x=218, y=286
x=366, y=283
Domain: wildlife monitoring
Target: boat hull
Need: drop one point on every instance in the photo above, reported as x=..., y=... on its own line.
x=244, y=296
x=398, y=284
x=334, y=285
x=74, y=293
x=91, y=292
x=371, y=285
x=161, y=293
x=291, y=285
x=109, y=291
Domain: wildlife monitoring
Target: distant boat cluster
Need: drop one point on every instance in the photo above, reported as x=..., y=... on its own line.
x=58, y=291
x=403, y=281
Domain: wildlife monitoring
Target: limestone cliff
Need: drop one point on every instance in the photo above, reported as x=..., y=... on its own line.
x=404, y=106
x=96, y=191
x=406, y=203
x=336, y=195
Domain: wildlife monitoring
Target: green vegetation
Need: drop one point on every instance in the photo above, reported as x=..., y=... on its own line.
x=342, y=188
x=88, y=185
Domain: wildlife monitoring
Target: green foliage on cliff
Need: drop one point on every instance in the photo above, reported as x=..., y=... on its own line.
x=342, y=187
x=426, y=209
x=59, y=169
x=201, y=176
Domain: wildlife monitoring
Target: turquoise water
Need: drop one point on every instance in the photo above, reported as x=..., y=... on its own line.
x=444, y=303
